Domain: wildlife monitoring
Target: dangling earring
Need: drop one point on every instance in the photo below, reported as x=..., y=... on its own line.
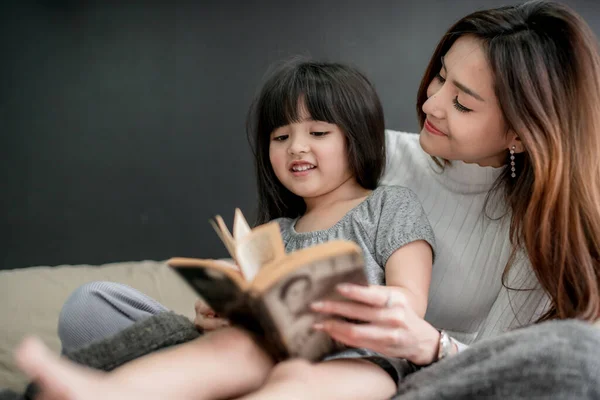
x=512, y=162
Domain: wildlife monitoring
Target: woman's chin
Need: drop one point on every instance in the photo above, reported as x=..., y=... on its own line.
x=429, y=145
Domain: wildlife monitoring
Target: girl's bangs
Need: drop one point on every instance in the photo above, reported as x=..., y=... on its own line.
x=294, y=95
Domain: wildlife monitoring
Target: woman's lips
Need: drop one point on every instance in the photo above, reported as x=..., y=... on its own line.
x=432, y=129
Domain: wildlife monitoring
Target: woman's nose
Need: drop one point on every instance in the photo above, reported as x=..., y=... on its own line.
x=434, y=105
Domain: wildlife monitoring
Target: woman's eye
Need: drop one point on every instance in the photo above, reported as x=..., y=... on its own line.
x=318, y=134
x=440, y=78
x=459, y=106
x=280, y=138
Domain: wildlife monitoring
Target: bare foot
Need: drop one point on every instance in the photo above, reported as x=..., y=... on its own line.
x=59, y=379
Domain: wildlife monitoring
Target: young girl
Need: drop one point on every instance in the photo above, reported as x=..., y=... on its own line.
x=319, y=141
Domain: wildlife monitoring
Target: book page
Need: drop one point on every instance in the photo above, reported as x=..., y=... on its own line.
x=221, y=229
x=261, y=246
x=288, y=301
x=240, y=226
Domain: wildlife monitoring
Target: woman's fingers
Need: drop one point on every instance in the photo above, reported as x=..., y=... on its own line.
x=348, y=310
x=386, y=316
x=377, y=338
x=374, y=295
x=365, y=307
x=394, y=331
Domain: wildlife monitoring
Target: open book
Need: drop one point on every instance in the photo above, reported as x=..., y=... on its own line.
x=269, y=292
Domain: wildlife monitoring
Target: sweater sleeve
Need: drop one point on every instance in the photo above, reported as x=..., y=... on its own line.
x=521, y=302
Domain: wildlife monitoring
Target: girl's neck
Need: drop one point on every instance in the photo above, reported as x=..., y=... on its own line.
x=348, y=190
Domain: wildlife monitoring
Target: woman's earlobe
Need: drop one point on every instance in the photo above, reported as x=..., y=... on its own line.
x=516, y=144
x=516, y=148
x=519, y=149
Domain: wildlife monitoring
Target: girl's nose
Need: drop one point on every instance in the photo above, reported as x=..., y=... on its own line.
x=298, y=146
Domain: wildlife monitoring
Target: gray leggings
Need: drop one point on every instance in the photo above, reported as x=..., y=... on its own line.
x=557, y=360
x=98, y=310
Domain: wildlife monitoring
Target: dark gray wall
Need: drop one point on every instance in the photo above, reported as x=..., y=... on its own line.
x=122, y=126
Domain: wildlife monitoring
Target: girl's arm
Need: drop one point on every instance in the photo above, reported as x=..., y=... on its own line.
x=409, y=270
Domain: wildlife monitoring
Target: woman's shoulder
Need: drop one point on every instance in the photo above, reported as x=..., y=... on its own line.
x=406, y=159
x=401, y=141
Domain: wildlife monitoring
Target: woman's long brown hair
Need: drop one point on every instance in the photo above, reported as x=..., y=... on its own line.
x=546, y=64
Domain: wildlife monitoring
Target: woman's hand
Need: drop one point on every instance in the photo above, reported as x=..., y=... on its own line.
x=391, y=327
x=206, y=319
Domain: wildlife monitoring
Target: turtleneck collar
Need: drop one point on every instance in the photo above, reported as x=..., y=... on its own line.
x=464, y=178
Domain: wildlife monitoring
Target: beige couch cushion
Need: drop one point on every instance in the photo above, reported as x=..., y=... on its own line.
x=32, y=298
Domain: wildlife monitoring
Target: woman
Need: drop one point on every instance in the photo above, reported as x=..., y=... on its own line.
x=507, y=168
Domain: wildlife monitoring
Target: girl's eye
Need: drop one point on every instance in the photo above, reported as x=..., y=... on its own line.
x=440, y=78
x=319, y=134
x=280, y=138
x=459, y=106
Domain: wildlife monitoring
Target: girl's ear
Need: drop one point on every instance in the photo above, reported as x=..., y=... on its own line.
x=515, y=140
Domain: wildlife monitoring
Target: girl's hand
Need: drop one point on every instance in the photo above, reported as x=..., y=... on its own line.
x=206, y=319
x=391, y=327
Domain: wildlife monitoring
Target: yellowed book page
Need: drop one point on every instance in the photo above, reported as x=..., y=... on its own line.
x=221, y=229
x=261, y=246
x=240, y=225
x=275, y=271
